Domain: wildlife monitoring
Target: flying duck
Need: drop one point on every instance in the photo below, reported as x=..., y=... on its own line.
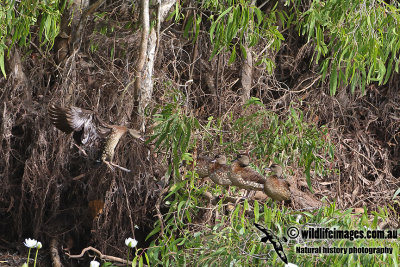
x=90, y=130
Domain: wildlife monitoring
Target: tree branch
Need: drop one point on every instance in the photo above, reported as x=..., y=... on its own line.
x=143, y=48
x=101, y=255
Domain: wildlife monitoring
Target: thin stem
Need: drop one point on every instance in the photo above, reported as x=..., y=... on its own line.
x=29, y=253
x=37, y=250
x=127, y=258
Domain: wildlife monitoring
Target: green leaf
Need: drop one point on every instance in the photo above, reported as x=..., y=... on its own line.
x=246, y=204
x=224, y=13
x=256, y=211
x=259, y=15
x=147, y=259
x=141, y=262
x=177, y=11
x=396, y=193
x=389, y=70
x=308, y=176
x=180, y=206
x=134, y=261
x=2, y=67
x=333, y=80
x=363, y=80
x=188, y=26
x=233, y=55
x=354, y=82
x=154, y=231
x=174, y=188
x=243, y=50
x=198, y=22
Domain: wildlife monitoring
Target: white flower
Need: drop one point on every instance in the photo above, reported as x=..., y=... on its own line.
x=131, y=242
x=290, y=265
x=136, y=227
x=30, y=243
x=94, y=264
x=38, y=245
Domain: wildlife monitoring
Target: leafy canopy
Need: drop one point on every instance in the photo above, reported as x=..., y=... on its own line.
x=18, y=17
x=358, y=41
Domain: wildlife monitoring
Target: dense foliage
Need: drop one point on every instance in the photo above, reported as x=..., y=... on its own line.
x=17, y=18
x=358, y=41
x=323, y=103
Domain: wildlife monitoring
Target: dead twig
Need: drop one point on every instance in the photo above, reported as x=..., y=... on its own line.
x=100, y=255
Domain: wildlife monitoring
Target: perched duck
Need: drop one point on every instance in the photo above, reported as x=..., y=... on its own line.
x=203, y=165
x=219, y=172
x=275, y=187
x=248, y=173
x=89, y=130
x=244, y=176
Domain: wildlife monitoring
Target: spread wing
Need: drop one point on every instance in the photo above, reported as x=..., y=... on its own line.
x=83, y=122
x=69, y=119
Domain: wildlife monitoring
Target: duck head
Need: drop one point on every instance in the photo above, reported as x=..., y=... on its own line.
x=243, y=160
x=275, y=169
x=220, y=159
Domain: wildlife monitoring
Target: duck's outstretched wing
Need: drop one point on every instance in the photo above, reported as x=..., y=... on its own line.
x=69, y=119
x=80, y=121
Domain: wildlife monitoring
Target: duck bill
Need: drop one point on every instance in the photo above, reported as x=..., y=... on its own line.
x=136, y=134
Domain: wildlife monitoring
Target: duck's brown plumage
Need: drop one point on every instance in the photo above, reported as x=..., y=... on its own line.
x=203, y=166
x=275, y=187
x=244, y=176
x=246, y=172
x=89, y=130
x=219, y=171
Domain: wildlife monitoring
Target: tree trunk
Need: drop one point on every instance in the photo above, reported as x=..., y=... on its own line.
x=247, y=70
x=144, y=84
x=20, y=79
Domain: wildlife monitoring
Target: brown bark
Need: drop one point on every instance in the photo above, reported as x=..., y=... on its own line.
x=143, y=47
x=247, y=72
x=19, y=76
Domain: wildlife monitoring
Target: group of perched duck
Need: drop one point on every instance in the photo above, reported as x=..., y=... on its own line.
x=240, y=174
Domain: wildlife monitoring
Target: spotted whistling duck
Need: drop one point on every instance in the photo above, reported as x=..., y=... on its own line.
x=275, y=187
x=89, y=130
x=219, y=172
x=244, y=176
x=203, y=165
